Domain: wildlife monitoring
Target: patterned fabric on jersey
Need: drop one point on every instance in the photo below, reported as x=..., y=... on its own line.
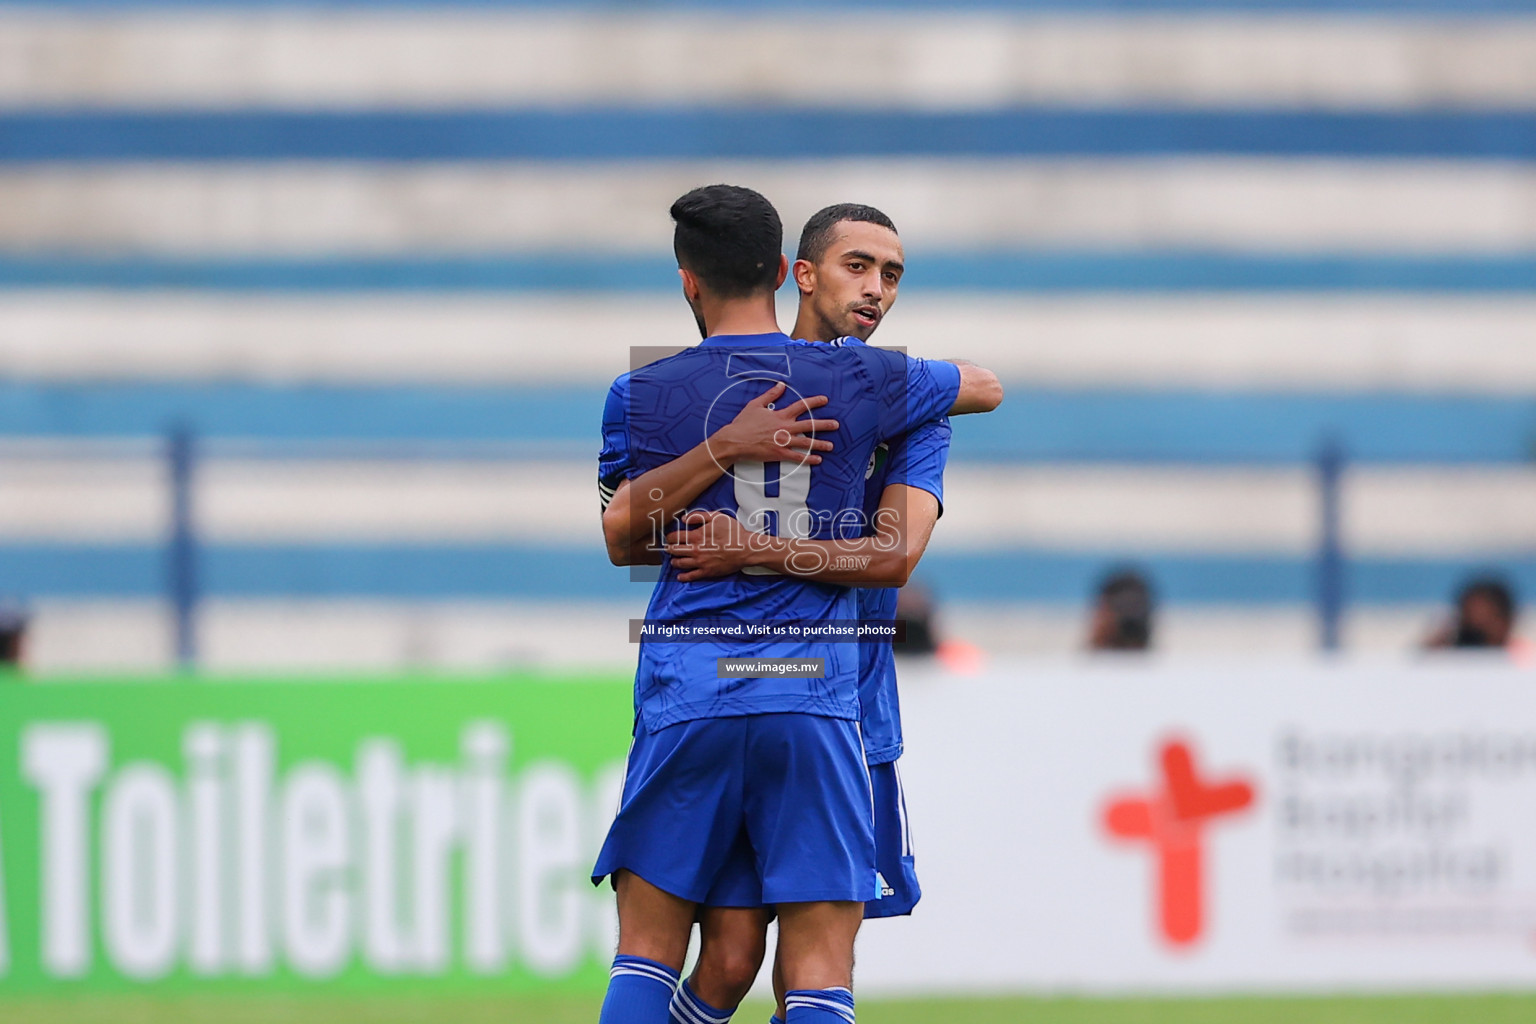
x=663, y=410
x=917, y=460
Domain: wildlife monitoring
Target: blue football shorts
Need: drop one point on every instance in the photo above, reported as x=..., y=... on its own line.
x=790, y=792
x=893, y=846
x=737, y=883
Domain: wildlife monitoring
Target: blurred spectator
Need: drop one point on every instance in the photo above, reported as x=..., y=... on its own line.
x=1122, y=613
x=916, y=606
x=1485, y=618
x=13, y=634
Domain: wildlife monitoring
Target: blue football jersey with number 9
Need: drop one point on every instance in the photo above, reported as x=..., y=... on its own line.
x=659, y=412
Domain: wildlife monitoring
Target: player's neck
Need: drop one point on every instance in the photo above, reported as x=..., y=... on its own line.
x=810, y=327
x=754, y=314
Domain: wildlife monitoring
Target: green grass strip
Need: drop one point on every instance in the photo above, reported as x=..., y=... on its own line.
x=1437, y=1009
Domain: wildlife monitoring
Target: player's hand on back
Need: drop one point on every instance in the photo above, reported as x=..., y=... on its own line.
x=763, y=433
x=710, y=545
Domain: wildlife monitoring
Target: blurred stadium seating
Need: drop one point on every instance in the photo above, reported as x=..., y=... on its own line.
x=382, y=261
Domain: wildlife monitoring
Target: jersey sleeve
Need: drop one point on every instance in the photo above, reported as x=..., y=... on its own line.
x=914, y=391
x=918, y=460
x=614, y=462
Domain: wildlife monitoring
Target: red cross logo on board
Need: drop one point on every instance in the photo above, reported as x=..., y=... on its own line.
x=1172, y=820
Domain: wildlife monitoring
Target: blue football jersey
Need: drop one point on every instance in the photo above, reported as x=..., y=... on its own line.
x=659, y=412
x=917, y=460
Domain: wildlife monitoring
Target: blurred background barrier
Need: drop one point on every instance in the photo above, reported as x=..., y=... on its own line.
x=243, y=550
x=1132, y=827
x=267, y=837
x=378, y=263
x=1126, y=826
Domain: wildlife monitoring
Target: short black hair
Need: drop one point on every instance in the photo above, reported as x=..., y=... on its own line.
x=1129, y=597
x=731, y=237
x=1493, y=590
x=818, y=230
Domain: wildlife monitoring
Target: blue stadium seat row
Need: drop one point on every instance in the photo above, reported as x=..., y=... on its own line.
x=1102, y=425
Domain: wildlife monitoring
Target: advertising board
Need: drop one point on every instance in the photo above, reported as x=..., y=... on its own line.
x=1175, y=827
x=1093, y=827
x=413, y=833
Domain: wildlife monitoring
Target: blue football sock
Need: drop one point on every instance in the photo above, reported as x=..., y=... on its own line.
x=688, y=1008
x=819, y=1006
x=775, y=1019
x=639, y=991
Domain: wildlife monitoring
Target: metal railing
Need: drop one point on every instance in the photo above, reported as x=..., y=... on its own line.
x=182, y=452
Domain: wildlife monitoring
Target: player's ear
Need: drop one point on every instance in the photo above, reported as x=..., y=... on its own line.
x=805, y=276
x=778, y=281
x=690, y=285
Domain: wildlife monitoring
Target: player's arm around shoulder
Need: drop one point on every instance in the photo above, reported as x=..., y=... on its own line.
x=614, y=466
x=904, y=524
x=977, y=390
x=640, y=551
x=713, y=544
x=980, y=390
x=638, y=509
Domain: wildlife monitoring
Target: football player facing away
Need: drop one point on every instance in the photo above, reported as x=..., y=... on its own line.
x=774, y=760
x=848, y=270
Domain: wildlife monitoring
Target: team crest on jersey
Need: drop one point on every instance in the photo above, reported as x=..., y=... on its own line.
x=877, y=459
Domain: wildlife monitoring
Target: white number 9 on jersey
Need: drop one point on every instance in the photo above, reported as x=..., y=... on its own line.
x=786, y=514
